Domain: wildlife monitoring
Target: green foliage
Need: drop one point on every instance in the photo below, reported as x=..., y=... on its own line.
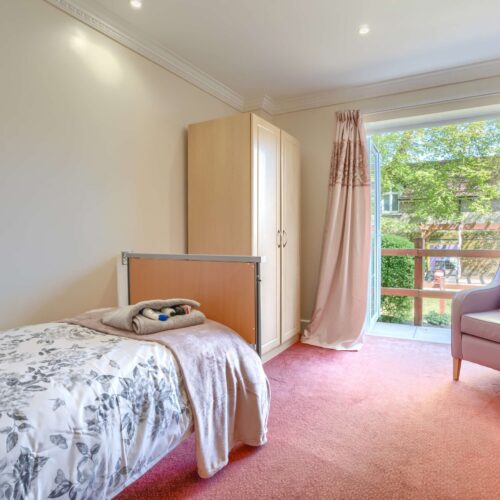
x=400, y=227
x=397, y=272
x=437, y=319
x=436, y=166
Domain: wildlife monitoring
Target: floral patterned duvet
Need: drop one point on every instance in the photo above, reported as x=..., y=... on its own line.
x=83, y=414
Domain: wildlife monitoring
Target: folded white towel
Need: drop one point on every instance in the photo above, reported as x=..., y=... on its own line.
x=169, y=311
x=177, y=310
x=152, y=314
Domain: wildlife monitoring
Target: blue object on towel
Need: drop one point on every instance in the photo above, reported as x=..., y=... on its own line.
x=162, y=317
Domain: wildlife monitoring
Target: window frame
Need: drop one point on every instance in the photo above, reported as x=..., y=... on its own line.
x=392, y=195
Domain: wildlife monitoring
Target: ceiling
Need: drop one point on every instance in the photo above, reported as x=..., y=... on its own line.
x=287, y=48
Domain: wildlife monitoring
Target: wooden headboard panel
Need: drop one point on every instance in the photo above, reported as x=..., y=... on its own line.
x=226, y=287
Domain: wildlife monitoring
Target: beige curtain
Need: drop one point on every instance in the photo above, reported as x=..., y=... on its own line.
x=341, y=301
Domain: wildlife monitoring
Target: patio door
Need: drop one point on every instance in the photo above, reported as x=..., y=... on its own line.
x=376, y=244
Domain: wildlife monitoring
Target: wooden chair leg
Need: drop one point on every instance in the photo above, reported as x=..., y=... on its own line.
x=457, y=364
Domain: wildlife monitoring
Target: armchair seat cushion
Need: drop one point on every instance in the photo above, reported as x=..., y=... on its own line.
x=484, y=325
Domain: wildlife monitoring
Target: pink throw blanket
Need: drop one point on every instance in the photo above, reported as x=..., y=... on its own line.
x=225, y=381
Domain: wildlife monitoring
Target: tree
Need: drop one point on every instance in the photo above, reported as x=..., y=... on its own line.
x=438, y=166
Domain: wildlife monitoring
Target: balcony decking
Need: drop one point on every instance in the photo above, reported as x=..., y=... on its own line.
x=412, y=332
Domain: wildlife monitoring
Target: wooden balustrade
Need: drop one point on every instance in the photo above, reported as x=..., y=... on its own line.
x=424, y=252
x=418, y=292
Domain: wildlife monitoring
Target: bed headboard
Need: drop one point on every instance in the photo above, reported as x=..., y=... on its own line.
x=227, y=287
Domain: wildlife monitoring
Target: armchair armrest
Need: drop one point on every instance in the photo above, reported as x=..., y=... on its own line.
x=477, y=300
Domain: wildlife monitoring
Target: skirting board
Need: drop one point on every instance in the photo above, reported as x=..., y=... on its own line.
x=303, y=324
x=278, y=350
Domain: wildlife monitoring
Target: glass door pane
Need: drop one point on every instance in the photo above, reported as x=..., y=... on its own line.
x=375, y=262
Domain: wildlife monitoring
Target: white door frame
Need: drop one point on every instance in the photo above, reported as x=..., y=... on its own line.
x=374, y=299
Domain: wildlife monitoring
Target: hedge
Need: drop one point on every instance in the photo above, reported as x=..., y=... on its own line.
x=397, y=272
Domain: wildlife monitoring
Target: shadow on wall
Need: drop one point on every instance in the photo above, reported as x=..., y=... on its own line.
x=93, y=290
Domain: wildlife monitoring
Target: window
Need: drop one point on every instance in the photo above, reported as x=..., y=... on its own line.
x=464, y=205
x=390, y=203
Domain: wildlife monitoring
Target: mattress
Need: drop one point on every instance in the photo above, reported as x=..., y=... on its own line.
x=83, y=414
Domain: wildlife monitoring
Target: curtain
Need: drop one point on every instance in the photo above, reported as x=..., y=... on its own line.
x=341, y=301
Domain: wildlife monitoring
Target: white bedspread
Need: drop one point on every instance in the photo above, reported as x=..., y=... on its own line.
x=83, y=414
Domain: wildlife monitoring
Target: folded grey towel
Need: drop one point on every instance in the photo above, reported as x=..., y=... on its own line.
x=129, y=318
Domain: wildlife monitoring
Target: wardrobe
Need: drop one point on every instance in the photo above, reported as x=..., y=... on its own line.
x=244, y=199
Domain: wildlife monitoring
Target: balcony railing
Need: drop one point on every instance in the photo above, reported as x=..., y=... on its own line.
x=419, y=292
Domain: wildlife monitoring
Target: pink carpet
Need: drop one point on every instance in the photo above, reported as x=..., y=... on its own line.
x=386, y=422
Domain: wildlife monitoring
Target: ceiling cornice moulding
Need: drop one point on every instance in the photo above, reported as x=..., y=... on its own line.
x=150, y=50
x=265, y=103
x=112, y=27
x=424, y=81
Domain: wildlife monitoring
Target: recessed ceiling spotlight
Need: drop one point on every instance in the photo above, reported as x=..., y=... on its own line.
x=136, y=4
x=364, y=29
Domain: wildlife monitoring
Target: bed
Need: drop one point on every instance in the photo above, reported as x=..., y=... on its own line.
x=84, y=413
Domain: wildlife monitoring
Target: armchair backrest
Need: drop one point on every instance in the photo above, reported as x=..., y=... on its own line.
x=481, y=299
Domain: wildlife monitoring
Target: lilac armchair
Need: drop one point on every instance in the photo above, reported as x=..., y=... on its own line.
x=475, y=326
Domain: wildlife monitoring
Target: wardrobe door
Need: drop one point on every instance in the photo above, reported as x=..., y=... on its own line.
x=290, y=225
x=266, y=224
x=219, y=186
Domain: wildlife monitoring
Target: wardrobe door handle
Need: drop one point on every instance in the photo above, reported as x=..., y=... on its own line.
x=286, y=238
x=278, y=238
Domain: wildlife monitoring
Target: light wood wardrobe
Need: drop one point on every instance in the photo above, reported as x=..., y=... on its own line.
x=244, y=199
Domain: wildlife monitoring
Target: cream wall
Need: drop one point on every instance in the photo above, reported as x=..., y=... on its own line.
x=92, y=161
x=315, y=129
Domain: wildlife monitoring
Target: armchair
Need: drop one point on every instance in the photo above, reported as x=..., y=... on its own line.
x=475, y=326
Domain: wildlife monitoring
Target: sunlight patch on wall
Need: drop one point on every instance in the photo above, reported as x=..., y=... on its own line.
x=100, y=61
